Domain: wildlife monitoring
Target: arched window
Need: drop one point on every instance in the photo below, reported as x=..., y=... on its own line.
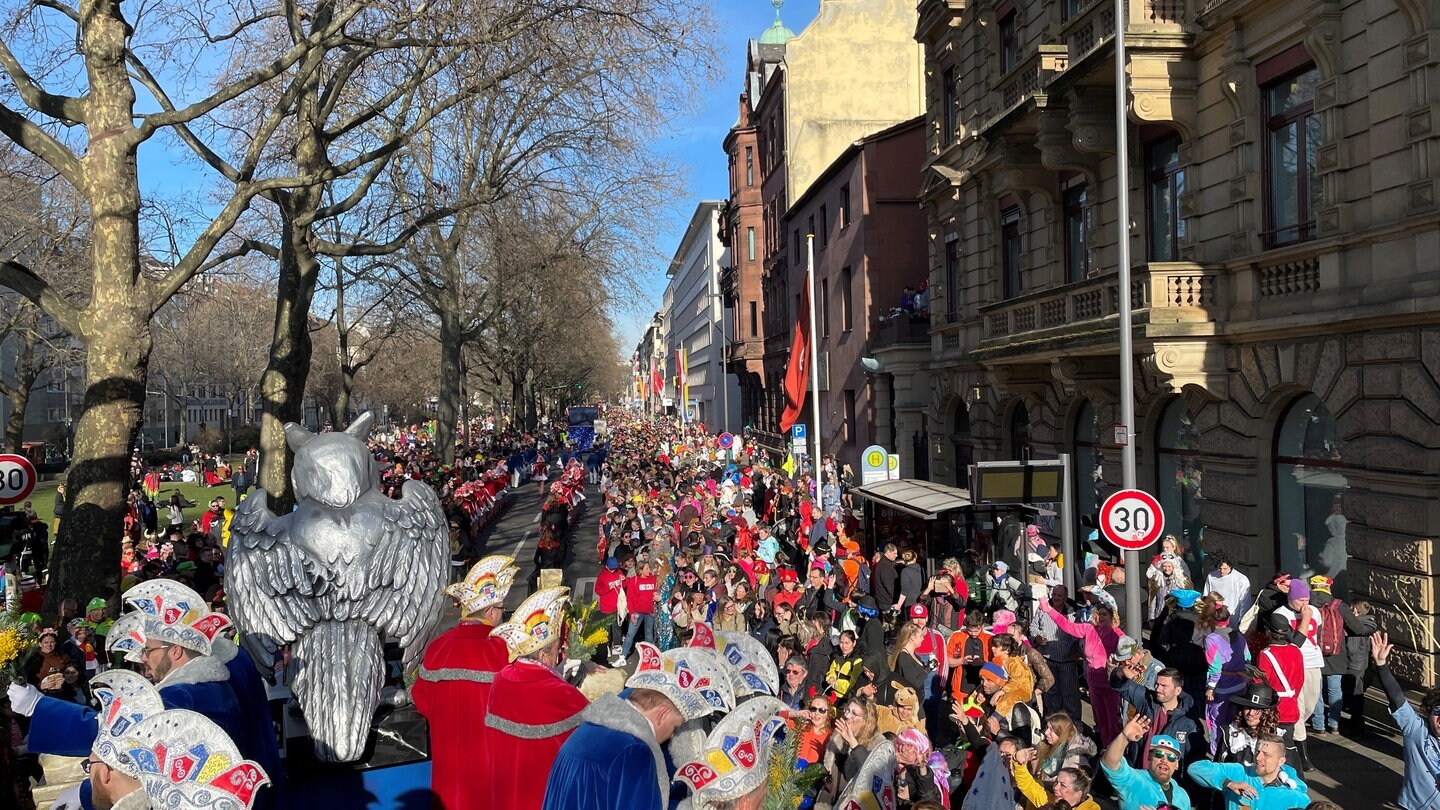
x=1177, y=480
x=1310, y=486
x=1020, y=432
x=963, y=443
x=1087, y=464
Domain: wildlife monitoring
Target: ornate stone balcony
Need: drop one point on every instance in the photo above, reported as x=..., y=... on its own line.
x=1171, y=298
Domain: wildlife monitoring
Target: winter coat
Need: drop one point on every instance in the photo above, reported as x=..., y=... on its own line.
x=885, y=582
x=1357, y=643
x=1179, y=723
x=912, y=583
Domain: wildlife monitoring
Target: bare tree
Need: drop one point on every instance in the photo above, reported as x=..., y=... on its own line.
x=43, y=224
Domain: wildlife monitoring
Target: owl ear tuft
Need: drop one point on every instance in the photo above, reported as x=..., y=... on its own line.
x=360, y=428
x=297, y=436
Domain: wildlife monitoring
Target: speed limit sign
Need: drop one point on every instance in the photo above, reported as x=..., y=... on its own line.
x=1132, y=519
x=17, y=478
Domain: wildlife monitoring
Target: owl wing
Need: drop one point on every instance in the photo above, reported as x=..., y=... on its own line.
x=408, y=570
x=270, y=584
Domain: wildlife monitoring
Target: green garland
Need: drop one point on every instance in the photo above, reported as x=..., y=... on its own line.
x=588, y=629
x=785, y=786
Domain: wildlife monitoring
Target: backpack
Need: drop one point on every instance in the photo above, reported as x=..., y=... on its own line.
x=1332, y=629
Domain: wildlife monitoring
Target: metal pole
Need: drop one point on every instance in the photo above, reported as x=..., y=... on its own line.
x=1133, y=619
x=816, y=467
x=718, y=318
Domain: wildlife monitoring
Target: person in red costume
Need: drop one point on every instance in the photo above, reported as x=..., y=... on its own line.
x=456, y=676
x=532, y=710
x=609, y=585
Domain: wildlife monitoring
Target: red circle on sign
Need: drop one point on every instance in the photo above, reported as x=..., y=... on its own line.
x=1132, y=519
x=17, y=478
x=726, y=440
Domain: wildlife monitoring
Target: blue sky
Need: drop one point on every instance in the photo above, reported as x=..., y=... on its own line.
x=695, y=140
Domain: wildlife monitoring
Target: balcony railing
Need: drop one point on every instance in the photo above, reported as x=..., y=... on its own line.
x=899, y=331
x=1159, y=293
x=1092, y=27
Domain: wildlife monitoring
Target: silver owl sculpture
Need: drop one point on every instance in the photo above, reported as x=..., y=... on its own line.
x=332, y=579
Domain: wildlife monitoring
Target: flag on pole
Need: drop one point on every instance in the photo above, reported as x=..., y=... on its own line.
x=797, y=373
x=789, y=465
x=657, y=380
x=683, y=382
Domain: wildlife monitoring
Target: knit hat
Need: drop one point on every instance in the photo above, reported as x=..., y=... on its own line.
x=1001, y=566
x=1002, y=621
x=1298, y=589
x=98, y=603
x=1320, y=583
x=994, y=672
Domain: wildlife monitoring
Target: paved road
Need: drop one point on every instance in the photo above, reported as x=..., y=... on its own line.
x=1352, y=775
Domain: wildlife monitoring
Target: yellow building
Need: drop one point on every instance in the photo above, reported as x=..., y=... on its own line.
x=1286, y=273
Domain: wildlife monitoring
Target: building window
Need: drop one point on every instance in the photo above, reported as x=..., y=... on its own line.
x=1310, y=485
x=1292, y=139
x=749, y=165
x=1077, y=224
x=952, y=279
x=799, y=251
x=1166, y=180
x=949, y=108
x=962, y=442
x=824, y=228
x=1009, y=41
x=1010, y=252
x=850, y=416
x=750, y=243
x=825, y=307
x=754, y=319
x=810, y=225
x=844, y=207
x=847, y=318
x=1069, y=9
x=1177, y=479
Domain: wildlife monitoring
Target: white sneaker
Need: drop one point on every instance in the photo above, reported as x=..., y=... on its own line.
x=618, y=660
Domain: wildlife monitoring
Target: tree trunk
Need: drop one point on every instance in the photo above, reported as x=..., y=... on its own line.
x=86, y=558
x=282, y=386
x=445, y=411
x=341, y=405
x=27, y=371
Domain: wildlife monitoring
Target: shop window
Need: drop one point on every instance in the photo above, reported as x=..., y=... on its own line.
x=1177, y=481
x=1310, y=488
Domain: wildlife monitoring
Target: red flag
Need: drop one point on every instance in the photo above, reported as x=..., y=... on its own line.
x=657, y=381
x=797, y=374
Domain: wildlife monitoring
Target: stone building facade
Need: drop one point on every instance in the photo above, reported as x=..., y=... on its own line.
x=1285, y=273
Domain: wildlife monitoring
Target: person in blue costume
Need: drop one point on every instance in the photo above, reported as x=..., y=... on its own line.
x=174, y=637
x=613, y=760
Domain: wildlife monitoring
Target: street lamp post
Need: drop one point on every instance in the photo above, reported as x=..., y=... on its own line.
x=1127, y=337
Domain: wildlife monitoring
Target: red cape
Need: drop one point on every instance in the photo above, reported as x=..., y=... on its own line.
x=536, y=711
x=452, y=691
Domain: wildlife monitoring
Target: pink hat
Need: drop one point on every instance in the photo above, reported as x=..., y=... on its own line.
x=1003, y=620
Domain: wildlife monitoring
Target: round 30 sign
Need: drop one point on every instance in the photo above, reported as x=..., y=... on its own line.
x=1132, y=519
x=17, y=478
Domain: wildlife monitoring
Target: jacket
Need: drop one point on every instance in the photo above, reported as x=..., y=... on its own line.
x=1357, y=643
x=1178, y=723
x=1420, y=789
x=1289, y=793
x=885, y=582
x=1035, y=794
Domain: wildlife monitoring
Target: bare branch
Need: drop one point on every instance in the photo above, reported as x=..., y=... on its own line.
x=30, y=137
x=24, y=281
x=65, y=109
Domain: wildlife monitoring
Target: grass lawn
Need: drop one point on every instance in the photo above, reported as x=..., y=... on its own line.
x=43, y=499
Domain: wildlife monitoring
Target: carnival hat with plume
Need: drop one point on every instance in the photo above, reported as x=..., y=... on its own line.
x=177, y=615
x=486, y=585
x=693, y=678
x=536, y=624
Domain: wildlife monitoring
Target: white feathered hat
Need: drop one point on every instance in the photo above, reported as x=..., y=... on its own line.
x=486, y=585
x=737, y=758
x=175, y=614
x=127, y=636
x=693, y=678
x=125, y=700
x=753, y=669
x=536, y=624
x=186, y=762
x=873, y=788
